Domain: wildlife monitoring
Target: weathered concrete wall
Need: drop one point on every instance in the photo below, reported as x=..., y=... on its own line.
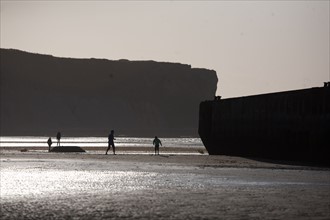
x=293, y=125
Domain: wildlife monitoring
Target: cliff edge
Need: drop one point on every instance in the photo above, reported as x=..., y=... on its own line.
x=42, y=94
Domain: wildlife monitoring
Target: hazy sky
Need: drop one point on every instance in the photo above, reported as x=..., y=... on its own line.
x=255, y=46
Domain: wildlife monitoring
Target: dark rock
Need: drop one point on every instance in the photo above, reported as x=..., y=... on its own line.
x=67, y=149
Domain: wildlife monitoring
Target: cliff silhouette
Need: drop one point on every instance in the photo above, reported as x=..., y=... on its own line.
x=42, y=94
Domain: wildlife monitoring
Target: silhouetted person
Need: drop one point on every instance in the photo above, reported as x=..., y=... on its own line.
x=157, y=142
x=49, y=142
x=111, y=143
x=58, y=137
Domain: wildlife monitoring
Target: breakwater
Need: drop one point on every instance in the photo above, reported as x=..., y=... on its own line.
x=291, y=125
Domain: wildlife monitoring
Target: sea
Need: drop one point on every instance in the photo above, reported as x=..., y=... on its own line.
x=41, y=141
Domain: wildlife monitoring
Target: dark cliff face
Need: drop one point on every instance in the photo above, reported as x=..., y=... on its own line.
x=42, y=94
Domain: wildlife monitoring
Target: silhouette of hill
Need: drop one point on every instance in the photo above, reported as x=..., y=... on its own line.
x=42, y=94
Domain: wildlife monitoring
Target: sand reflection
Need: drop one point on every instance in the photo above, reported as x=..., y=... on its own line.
x=39, y=183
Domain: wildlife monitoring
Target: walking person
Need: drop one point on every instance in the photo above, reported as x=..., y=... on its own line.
x=49, y=142
x=111, y=143
x=157, y=142
x=58, y=137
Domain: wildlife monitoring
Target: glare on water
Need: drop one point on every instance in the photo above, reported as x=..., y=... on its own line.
x=36, y=183
x=39, y=141
x=41, y=188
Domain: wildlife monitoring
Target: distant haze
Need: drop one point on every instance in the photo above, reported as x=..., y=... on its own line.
x=254, y=46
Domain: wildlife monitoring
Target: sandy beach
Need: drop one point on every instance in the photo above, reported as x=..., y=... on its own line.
x=41, y=185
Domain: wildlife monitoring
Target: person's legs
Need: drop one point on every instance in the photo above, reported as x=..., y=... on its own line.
x=107, y=149
x=114, y=149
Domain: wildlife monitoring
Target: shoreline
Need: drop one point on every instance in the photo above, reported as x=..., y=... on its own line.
x=180, y=158
x=121, y=149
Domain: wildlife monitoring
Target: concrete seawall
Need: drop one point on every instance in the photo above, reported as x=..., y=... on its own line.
x=292, y=125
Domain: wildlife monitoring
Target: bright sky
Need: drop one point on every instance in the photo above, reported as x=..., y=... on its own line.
x=255, y=46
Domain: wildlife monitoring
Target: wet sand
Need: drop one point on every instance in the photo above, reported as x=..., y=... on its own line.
x=41, y=185
x=119, y=150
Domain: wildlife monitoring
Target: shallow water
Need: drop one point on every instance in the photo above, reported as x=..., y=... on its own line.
x=84, y=189
x=40, y=141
